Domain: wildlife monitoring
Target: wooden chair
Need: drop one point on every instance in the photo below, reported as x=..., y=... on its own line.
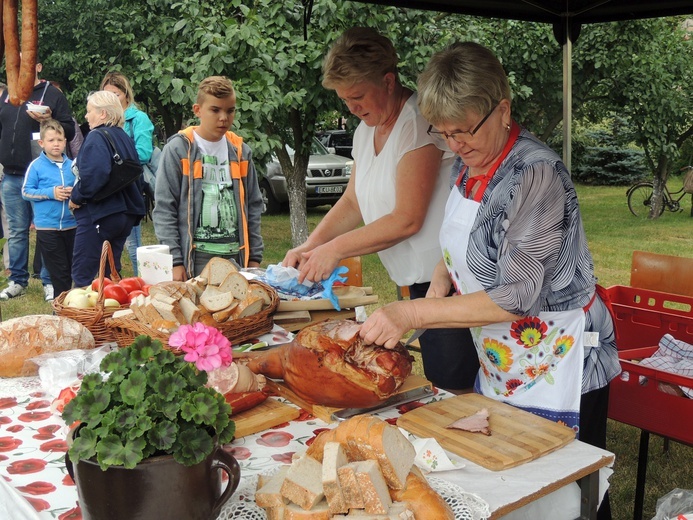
x=664, y=273
x=355, y=274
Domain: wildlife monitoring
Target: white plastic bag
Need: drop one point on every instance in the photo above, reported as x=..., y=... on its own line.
x=675, y=505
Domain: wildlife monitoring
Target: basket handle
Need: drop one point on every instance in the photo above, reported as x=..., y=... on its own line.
x=106, y=254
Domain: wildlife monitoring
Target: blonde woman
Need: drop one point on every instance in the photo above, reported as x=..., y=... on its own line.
x=112, y=218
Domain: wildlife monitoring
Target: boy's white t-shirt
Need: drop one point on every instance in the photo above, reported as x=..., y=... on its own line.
x=217, y=228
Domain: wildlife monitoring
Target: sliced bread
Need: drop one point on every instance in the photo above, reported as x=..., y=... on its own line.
x=374, y=491
x=217, y=269
x=258, y=290
x=334, y=457
x=236, y=284
x=303, y=483
x=189, y=310
x=320, y=511
x=225, y=314
x=215, y=300
x=248, y=307
x=269, y=494
x=350, y=486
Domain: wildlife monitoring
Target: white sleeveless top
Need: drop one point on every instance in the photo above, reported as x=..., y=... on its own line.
x=412, y=260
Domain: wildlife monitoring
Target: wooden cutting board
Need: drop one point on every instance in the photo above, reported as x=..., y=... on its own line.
x=348, y=296
x=516, y=436
x=325, y=412
x=266, y=415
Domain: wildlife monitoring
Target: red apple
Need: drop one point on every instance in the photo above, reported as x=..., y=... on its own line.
x=130, y=284
x=95, y=284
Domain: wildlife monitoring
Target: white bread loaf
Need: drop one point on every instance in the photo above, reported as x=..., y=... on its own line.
x=303, y=483
x=30, y=336
x=269, y=494
x=374, y=491
x=225, y=314
x=189, y=310
x=422, y=498
x=217, y=269
x=248, y=307
x=260, y=292
x=334, y=458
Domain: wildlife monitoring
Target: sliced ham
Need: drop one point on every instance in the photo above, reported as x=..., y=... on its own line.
x=477, y=423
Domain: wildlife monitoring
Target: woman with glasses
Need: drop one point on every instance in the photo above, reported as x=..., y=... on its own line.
x=515, y=253
x=398, y=186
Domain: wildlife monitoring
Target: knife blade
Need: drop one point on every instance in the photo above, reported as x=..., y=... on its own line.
x=414, y=337
x=401, y=398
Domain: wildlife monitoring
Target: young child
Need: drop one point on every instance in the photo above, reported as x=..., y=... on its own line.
x=208, y=200
x=47, y=185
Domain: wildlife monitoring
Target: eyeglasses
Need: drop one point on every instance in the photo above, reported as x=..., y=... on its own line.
x=461, y=136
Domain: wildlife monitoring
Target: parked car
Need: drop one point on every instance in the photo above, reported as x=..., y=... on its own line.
x=339, y=142
x=326, y=179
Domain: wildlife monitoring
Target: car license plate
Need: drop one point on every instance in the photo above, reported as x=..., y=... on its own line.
x=329, y=189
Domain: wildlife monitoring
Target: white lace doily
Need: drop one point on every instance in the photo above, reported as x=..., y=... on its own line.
x=466, y=506
x=19, y=386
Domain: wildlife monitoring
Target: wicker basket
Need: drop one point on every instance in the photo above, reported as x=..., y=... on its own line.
x=127, y=329
x=93, y=318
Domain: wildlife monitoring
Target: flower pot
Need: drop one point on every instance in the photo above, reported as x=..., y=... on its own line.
x=157, y=488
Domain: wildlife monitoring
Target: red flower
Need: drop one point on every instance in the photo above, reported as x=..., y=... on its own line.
x=54, y=445
x=285, y=458
x=529, y=331
x=73, y=514
x=38, y=503
x=22, y=467
x=7, y=402
x=275, y=439
x=34, y=405
x=240, y=453
x=3, y=457
x=9, y=443
x=315, y=435
x=37, y=488
x=5, y=420
x=280, y=426
x=16, y=428
x=67, y=480
x=45, y=433
x=34, y=416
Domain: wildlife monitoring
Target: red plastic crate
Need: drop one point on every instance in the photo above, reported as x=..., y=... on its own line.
x=642, y=317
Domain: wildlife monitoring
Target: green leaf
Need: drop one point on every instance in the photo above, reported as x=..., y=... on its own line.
x=133, y=388
x=163, y=435
x=193, y=446
x=200, y=407
x=111, y=451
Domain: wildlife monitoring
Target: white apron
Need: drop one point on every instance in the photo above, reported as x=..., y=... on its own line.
x=534, y=363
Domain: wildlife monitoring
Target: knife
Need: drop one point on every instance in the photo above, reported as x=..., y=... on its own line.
x=414, y=337
x=401, y=398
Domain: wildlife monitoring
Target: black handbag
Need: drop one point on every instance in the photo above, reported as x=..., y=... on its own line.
x=123, y=173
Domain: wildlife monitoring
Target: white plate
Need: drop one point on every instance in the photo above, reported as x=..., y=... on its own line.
x=41, y=109
x=466, y=506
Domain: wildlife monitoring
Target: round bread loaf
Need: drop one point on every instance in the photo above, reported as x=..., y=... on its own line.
x=30, y=336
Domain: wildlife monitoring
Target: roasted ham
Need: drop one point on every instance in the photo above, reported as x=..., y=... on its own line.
x=328, y=364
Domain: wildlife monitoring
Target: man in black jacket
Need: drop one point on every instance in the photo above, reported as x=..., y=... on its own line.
x=18, y=129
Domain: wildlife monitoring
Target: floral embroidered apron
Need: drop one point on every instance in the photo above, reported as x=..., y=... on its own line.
x=534, y=363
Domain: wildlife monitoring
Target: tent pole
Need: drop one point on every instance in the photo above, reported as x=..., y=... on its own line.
x=567, y=96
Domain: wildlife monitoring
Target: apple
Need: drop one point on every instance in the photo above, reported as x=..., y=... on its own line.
x=95, y=284
x=131, y=284
x=79, y=301
x=74, y=293
x=92, y=297
x=110, y=302
x=116, y=292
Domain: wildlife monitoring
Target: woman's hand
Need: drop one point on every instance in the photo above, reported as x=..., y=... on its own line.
x=318, y=264
x=387, y=325
x=293, y=257
x=440, y=282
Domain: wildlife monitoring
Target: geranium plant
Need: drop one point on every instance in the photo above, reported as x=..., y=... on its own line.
x=146, y=401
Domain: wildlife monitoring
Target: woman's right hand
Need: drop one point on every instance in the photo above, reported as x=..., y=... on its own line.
x=440, y=282
x=293, y=257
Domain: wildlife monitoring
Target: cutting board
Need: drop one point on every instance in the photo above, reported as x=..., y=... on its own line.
x=325, y=412
x=348, y=296
x=266, y=415
x=516, y=436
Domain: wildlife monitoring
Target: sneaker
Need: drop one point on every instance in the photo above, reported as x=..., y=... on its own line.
x=12, y=291
x=48, y=292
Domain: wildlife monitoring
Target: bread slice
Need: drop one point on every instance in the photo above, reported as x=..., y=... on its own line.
x=190, y=311
x=248, y=307
x=137, y=307
x=168, y=311
x=215, y=300
x=275, y=513
x=160, y=296
x=237, y=284
x=350, y=486
x=173, y=289
x=374, y=491
x=303, y=483
x=197, y=285
x=151, y=314
x=261, y=292
x=320, y=511
x=227, y=313
x=217, y=269
x=397, y=511
x=269, y=494
x=334, y=457
x=124, y=313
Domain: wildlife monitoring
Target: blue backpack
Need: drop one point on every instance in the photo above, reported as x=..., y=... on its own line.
x=149, y=173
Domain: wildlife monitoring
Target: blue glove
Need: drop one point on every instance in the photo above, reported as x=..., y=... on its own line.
x=327, y=285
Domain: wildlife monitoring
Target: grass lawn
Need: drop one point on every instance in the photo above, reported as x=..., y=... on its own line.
x=613, y=234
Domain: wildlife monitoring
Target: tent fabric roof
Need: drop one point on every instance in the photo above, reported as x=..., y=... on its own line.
x=552, y=11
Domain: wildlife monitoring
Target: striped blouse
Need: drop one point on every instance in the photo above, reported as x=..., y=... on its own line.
x=529, y=251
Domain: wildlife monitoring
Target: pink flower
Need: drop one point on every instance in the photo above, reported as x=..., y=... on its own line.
x=205, y=346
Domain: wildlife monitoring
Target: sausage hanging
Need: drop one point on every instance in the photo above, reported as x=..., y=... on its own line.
x=20, y=66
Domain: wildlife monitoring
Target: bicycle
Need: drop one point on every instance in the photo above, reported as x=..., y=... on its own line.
x=640, y=196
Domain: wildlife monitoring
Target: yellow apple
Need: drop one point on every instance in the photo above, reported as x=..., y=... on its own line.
x=92, y=297
x=110, y=302
x=79, y=301
x=74, y=293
